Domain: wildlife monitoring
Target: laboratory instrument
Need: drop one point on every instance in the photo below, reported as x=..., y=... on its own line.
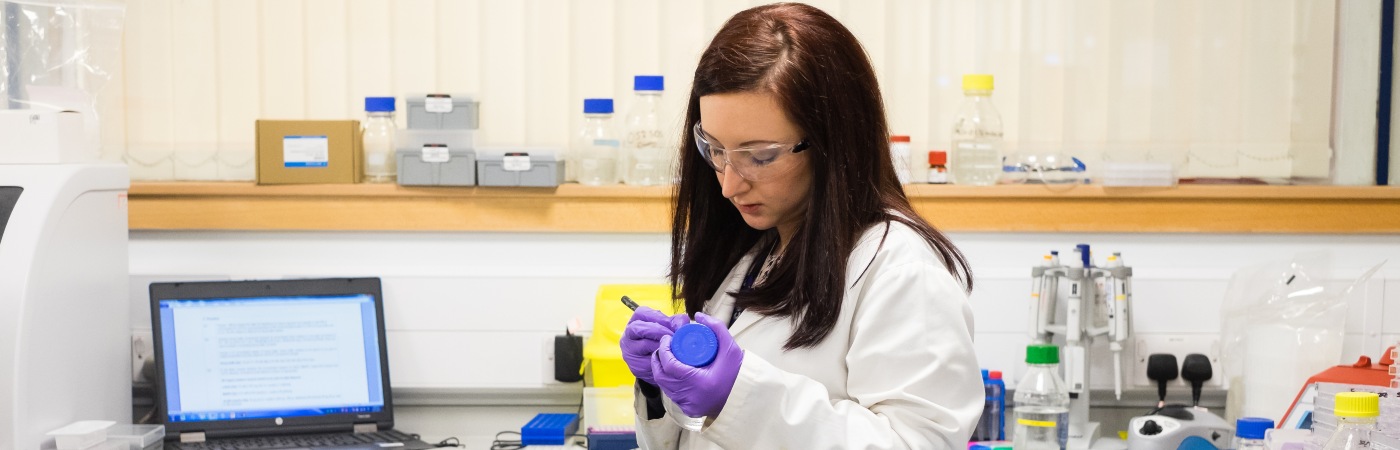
x=1179, y=427
x=1097, y=305
x=977, y=135
x=64, y=334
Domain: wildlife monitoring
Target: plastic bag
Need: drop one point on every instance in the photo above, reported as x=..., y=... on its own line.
x=63, y=55
x=1280, y=325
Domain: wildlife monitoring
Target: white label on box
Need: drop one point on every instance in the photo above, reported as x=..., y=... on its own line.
x=306, y=151
x=516, y=162
x=438, y=103
x=436, y=153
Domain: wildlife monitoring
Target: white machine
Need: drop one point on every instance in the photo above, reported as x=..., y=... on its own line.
x=64, y=331
x=1097, y=305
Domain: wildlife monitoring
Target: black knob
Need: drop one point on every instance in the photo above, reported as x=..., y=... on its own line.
x=1150, y=428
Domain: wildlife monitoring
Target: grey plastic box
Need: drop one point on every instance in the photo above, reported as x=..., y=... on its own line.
x=436, y=157
x=443, y=112
x=528, y=166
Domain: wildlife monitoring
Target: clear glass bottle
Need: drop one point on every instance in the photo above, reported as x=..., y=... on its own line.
x=977, y=133
x=1042, y=403
x=1356, y=421
x=1249, y=432
x=648, y=158
x=595, y=152
x=378, y=141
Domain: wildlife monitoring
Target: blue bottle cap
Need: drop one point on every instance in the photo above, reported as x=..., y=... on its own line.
x=648, y=83
x=379, y=104
x=695, y=345
x=597, y=106
x=986, y=375
x=1252, y=427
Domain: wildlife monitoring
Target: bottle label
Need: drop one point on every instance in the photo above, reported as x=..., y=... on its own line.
x=436, y=153
x=438, y=103
x=516, y=162
x=1036, y=423
x=938, y=175
x=306, y=151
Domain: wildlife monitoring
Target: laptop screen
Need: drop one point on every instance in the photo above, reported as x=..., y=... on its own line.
x=275, y=356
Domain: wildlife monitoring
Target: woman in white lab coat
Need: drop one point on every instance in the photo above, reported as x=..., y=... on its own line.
x=841, y=316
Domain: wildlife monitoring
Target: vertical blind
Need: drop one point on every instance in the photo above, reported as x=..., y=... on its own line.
x=1227, y=88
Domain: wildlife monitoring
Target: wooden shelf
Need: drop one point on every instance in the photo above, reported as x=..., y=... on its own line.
x=575, y=208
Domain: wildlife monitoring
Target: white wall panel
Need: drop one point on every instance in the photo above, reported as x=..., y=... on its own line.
x=240, y=83
x=413, y=53
x=1241, y=86
x=283, y=51
x=327, y=59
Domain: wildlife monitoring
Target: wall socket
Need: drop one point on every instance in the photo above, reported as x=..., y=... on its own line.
x=142, y=352
x=1179, y=345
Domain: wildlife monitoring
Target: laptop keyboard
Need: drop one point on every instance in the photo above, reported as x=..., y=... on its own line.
x=293, y=441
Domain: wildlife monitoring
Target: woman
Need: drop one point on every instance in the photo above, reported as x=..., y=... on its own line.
x=841, y=316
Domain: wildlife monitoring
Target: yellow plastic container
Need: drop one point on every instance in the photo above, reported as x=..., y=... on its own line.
x=603, y=365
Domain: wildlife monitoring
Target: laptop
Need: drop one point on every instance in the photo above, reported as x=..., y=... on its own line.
x=274, y=364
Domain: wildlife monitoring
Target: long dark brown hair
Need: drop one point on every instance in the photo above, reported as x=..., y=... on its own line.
x=822, y=78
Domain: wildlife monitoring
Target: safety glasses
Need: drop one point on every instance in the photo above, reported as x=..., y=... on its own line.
x=752, y=163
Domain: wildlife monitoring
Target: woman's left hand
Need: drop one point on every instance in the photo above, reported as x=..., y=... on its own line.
x=699, y=391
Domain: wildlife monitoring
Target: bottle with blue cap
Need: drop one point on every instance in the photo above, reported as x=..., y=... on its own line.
x=595, y=152
x=697, y=346
x=1249, y=432
x=377, y=136
x=647, y=158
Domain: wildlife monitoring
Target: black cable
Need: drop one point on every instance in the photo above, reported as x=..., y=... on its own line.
x=498, y=444
x=454, y=442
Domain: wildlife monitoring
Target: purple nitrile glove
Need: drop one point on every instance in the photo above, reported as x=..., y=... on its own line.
x=641, y=338
x=699, y=391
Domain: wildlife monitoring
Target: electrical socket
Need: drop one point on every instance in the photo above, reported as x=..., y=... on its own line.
x=143, y=349
x=1179, y=345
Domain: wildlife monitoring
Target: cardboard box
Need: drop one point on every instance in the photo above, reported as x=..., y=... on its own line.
x=309, y=151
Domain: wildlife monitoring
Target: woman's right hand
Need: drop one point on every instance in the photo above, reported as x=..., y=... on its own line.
x=641, y=339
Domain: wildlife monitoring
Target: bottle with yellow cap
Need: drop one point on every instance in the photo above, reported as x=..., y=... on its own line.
x=976, y=153
x=1356, y=421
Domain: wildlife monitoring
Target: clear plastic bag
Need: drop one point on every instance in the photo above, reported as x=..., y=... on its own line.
x=62, y=55
x=1280, y=324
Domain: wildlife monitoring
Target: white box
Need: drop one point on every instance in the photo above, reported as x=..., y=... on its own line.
x=43, y=137
x=81, y=435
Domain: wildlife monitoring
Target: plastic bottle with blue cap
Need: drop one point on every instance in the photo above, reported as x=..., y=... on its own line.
x=695, y=345
x=1249, y=432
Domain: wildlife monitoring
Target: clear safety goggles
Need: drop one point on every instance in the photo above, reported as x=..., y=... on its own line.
x=752, y=163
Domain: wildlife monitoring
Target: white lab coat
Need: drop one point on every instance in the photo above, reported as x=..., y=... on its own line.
x=898, y=370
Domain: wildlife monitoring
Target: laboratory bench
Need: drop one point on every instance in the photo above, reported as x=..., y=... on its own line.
x=631, y=209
